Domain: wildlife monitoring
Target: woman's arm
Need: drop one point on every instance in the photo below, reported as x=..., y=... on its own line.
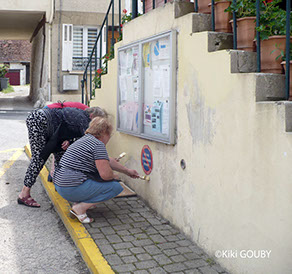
x=104, y=169
x=115, y=165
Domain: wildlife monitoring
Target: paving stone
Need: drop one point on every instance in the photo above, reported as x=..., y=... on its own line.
x=123, y=232
x=138, y=219
x=165, y=232
x=192, y=271
x=192, y=256
x=151, y=230
x=170, y=252
x=143, y=257
x=140, y=224
x=137, y=250
x=141, y=236
x=181, y=236
x=171, y=238
x=207, y=270
x=195, y=263
x=157, y=270
x=128, y=238
x=100, y=224
x=124, y=252
x=107, y=230
x=152, y=249
x=178, y=258
x=184, y=243
x=157, y=238
x=154, y=221
x=174, y=267
x=129, y=259
x=102, y=241
x=106, y=249
x=135, y=230
x=146, y=264
x=113, y=259
x=122, y=245
x=162, y=227
x=113, y=239
x=114, y=221
x=183, y=250
x=141, y=272
x=122, y=227
x=142, y=242
x=218, y=268
x=124, y=268
x=167, y=245
x=97, y=236
x=162, y=259
x=123, y=211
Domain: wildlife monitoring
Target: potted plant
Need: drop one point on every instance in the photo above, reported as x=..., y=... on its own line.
x=246, y=23
x=203, y=6
x=3, y=80
x=222, y=18
x=273, y=35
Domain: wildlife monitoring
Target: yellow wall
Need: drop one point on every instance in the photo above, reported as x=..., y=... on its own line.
x=235, y=193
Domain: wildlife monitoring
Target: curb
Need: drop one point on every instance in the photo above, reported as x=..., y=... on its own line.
x=82, y=239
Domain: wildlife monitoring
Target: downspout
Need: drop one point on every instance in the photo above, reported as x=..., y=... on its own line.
x=49, y=49
x=59, y=49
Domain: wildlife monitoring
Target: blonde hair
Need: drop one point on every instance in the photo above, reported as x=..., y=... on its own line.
x=99, y=126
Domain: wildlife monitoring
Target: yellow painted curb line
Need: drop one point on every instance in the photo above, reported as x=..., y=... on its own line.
x=82, y=239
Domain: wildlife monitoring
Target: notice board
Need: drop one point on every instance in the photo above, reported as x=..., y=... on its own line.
x=147, y=88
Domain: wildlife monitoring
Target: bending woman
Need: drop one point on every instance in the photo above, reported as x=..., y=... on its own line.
x=85, y=174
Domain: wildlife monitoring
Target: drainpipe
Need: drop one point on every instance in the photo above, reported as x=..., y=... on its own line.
x=59, y=49
x=49, y=49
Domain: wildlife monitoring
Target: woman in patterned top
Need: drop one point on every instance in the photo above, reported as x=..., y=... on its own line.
x=85, y=173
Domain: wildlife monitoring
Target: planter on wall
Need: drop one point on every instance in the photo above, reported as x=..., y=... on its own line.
x=246, y=33
x=203, y=6
x=222, y=18
x=290, y=86
x=269, y=64
x=3, y=83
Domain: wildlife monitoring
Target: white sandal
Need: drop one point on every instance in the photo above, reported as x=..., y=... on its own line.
x=83, y=218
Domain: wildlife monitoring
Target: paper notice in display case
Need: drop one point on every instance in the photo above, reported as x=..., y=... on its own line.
x=135, y=69
x=165, y=117
x=156, y=116
x=146, y=55
x=123, y=87
x=164, y=49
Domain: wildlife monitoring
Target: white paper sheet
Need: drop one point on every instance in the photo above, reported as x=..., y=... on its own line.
x=123, y=116
x=157, y=91
x=165, y=78
x=164, y=49
x=136, y=88
x=165, y=117
x=135, y=69
x=123, y=87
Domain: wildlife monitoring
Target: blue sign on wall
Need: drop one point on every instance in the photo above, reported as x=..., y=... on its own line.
x=146, y=159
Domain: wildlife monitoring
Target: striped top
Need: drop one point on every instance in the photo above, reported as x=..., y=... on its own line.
x=79, y=160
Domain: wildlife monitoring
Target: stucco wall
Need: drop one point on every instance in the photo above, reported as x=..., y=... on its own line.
x=235, y=193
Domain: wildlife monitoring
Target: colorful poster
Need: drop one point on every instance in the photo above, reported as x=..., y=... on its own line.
x=146, y=55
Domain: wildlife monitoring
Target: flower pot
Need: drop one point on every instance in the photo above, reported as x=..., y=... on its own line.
x=290, y=86
x=269, y=64
x=246, y=33
x=3, y=83
x=203, y=6
x=222, y=18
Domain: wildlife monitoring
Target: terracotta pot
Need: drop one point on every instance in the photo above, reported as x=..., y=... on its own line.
x=203, y=6
x=269, y=64
x=246, y=33
x=290, y=86
x=222, y=18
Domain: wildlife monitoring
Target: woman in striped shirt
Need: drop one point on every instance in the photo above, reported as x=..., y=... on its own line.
x=85, y=174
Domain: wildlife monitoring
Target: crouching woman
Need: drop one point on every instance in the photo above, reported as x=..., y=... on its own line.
x=85, y=173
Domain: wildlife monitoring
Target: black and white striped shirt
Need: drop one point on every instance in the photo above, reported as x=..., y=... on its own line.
x=79, y=160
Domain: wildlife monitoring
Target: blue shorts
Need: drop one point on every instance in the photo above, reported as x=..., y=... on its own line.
x=90, y=191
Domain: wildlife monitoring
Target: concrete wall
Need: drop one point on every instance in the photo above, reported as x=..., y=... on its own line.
x=235, y=193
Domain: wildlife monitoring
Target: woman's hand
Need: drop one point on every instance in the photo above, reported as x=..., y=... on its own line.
x=133, y=173
x=65, y=145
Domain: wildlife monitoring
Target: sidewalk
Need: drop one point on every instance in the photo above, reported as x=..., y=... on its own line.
x=129, y=237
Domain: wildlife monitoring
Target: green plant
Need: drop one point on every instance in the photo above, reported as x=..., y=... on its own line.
x=282, y=53
x=9, y=89
x=97, y=78
x=3, y=70
x=243, y=8
x=272, y=20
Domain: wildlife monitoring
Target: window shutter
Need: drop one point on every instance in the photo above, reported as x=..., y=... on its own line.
x=67, y=47
x=78, y=48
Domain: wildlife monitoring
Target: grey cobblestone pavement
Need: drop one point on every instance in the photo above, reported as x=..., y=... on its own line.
x=134, y=239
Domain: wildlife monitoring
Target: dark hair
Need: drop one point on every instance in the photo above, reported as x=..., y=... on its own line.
x=96, y=112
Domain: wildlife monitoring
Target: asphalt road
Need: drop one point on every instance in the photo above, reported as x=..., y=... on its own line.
x=32, y=240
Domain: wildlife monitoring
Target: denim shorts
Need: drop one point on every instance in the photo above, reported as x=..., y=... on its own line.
x=90, y=191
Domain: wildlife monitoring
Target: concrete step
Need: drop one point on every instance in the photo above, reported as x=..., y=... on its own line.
x=288, y=116
x=201, y=22
x=270, y=87
x=243, y=61
x=219, y=41
x=182, y=8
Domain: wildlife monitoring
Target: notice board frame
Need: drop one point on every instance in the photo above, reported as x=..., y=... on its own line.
x=170, y=139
